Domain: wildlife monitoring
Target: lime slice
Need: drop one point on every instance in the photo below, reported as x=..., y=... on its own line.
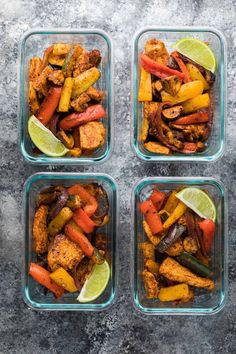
x=44, y=139
x=198, y=51
x=96, y=283
x=199, y=202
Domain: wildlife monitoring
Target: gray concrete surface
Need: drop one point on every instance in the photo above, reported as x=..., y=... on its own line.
x=121, y=329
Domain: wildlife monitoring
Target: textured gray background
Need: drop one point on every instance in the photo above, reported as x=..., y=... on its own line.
x=121, y=329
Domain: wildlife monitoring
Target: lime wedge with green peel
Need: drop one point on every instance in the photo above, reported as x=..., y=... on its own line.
x=96, y=283
x=44, y=139
x=199, y=202
x=197, y=51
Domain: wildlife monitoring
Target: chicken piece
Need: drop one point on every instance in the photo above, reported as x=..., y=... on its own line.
x=40, y=83
x=173, y=141
x=154, y=239
x=149, y=108
x=148, y=251
x=80, y=103
x=172, y=270
x=157, y=51
x=191, y=132
x=35, y=68
x=94, y=57
x=152, y=266
x=82, y=64
x=66, y=139
x=33, y=99
x=71, y=63
x=57, y=77
x=91, y=135
x=40, y=233
x=101, y=242
x=190, y=245
x=150, y=285
x=175, y=249
x=64, y=253
x=94, y=94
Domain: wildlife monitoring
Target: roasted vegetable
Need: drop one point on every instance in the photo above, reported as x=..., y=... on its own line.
x=61, y=49
x=35, y=68
x=33, y=99
x=42, y=276
x=150, y=284
x=61, y=202
x=73, y=202
x=171, y=84
x=187, y=91
x=75, y=152
x=195, y=74
x=92, y=113
x=40, y=233
x=157, y=148
x=158, y=198
x=145, y=128
x=175, y=292
x=49, y=105
x=194, y=264
x=62, y=278
x=208, y=228
x=164, y=215
x=83, y=81
x=171, y=202
x=64, y=103
x=175, y=249
x=152, y=266
x=97, y=256
x=79, y=238
x=88, y=199
x=157, y=69
x=59, y=221
x=151, y=216
x=80, y=104
x=41, y=82
x=182, y=66
x=172, y=113
x=172, y=270
x=198, y=102
x=145, y=87
x=194, y=118
x=56, y=59
x=175, y=215
x=190, y=245
x=83, y=221
x=173, y=234
x=94, y=94
x=71, y=59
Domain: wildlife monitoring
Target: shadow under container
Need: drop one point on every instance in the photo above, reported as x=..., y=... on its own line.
x=169, y=35
x=33, y=293
x=204, y=302
x=33, y=43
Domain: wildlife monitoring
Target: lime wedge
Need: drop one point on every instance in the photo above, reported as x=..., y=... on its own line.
x=199, y=202
x=198, y=51
x=96, y=283
x=44, y=139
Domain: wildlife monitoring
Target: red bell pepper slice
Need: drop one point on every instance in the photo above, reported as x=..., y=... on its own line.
x=194, y=118
x=208, y=228
x=151, y=216
x=182, y=66
x=157, y=69
x=92, y=113
x=158, y=198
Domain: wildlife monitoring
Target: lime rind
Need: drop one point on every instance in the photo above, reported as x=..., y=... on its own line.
x=44, y=139
x=191, y=47
x=198, y=201
x=95, y=285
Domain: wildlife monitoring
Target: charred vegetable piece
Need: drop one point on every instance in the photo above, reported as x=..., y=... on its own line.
x=182, y=66
x=187, y=91
x=172, y=270
x=64, y=103
x=83, y=81
x=91, y=203
x=40, y=230
x=164, y=215
x=61, y=202
x=56, y=59
x=150, y=284
x=97, y=257
x=73, y=202
x=145, y=87
x=175, y=215
x=175, y=292
x=151, y=216
x=62, y=278
x=174, y=233
x=194, y=264
x=171, y=202
x=61, y=48
x=171, y=85
x=59, y=221
x=42, y=276
x=157, y=148
x=172, y=113
x=70, y=60
x=194, y=118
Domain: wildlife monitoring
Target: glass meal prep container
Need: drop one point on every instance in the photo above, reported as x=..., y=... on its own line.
x=169, y=36
x=204, y=302
x=33, y=293
x=33, y=43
